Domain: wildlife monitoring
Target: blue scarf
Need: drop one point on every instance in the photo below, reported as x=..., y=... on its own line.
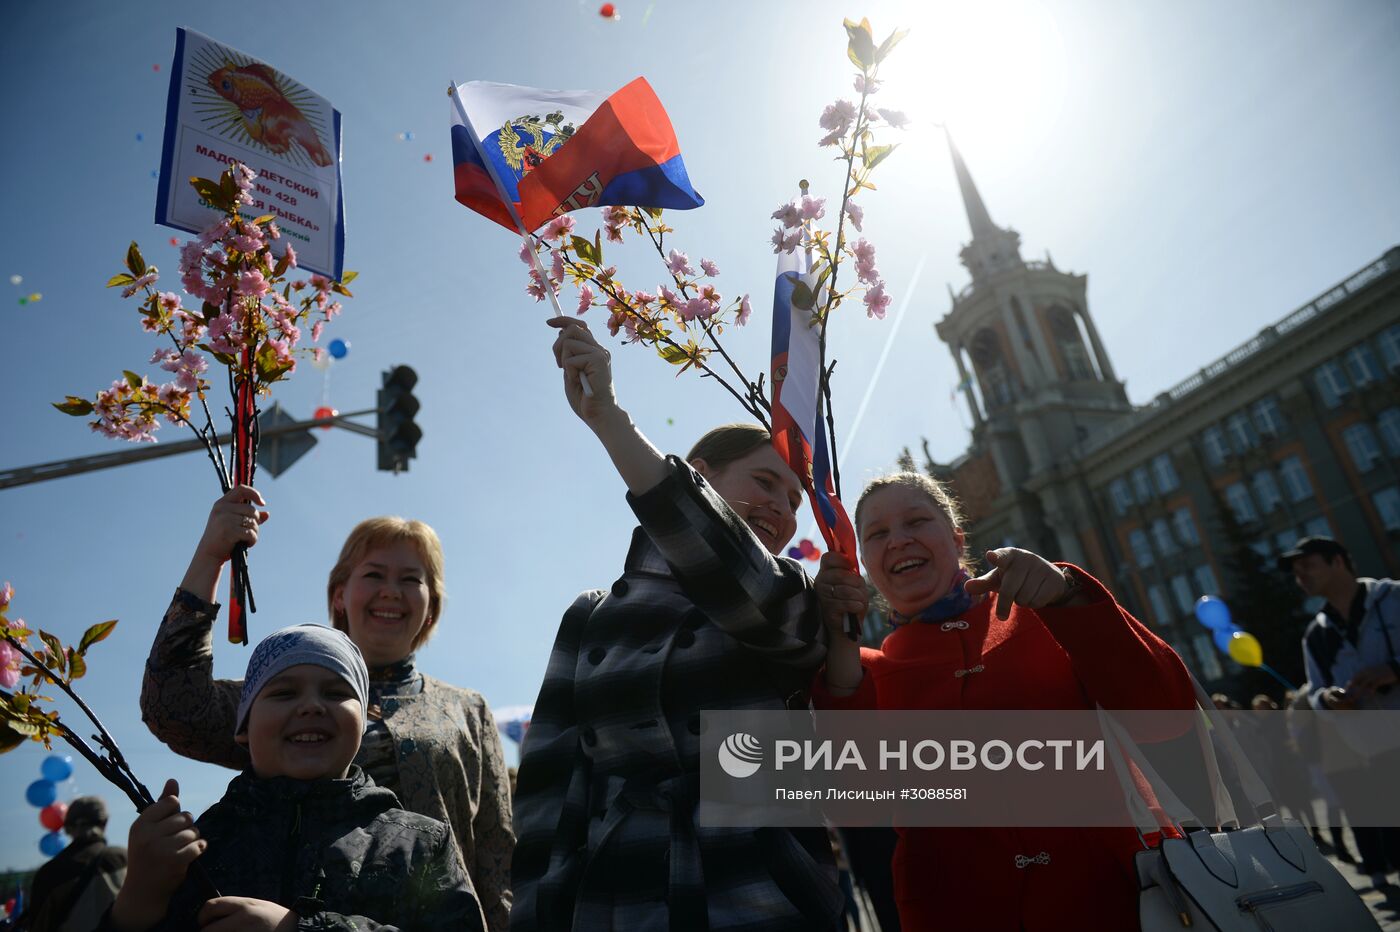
x=951, y=605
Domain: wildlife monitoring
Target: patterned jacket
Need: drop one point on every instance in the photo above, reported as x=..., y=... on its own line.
x=450, y=763
x=702, y=618
x=340, y=853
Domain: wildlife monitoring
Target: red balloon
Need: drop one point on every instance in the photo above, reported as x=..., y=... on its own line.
x=323, y=411
x=51, y=816
x=607, y=11
x=174, y=241
x=806, y=546
x=428, y=157
x=814, y=555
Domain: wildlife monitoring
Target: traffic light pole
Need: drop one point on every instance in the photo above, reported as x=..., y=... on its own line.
x=26, y=475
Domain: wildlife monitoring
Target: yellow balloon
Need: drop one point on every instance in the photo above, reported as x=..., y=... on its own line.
x=1245, y=649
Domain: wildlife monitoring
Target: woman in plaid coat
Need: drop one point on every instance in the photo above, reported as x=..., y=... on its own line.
x=704, y=616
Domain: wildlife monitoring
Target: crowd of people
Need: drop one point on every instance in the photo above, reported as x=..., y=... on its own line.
x=370, y=795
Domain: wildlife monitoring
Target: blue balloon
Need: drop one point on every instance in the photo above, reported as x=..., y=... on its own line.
x=1222, y=638
x=52, y=843
x=338, y=348
x=795, y=553
x=40, y=793
x=57, y=768
x=1213, y=613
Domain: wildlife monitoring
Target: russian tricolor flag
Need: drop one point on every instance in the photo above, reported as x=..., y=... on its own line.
x=557, y=151
x=799, y=435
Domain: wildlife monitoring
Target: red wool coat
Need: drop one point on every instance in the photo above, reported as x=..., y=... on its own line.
x=960, y=879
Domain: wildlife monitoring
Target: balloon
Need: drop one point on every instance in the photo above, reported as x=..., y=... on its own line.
x=1222, y=638
x=155, y=67
x=607, y=11
x=35, y=298
x=140, y=137
x=23, y=301
x=51, y=816
x=428, y=157
x=155, y=173
x=174, y=241
x=324, y=411
x=1213, y=612
x=16, y=279
x=338, y=348
x=806, y=546
x=795, y=553
x=10, y=906
x=1245, y=649
x=57, y=767
x=40, y=793
x=814, y=554
x=51, y=844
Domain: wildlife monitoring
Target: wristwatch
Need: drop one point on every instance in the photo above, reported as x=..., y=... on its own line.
x=1072, y=585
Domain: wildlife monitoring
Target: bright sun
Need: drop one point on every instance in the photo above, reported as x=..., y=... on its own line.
x=992, y=70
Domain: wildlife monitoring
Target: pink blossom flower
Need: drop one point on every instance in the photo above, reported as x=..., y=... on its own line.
x=786, y=243
x=320, y=283
x=150, y=324
x=679, y=263
x=837, y=117
x=252, y=283
x=876, y=300
x=643, y=298
x=697, y=309
x=536, y=286
x=669, y=297
x=149, y=278
x=223, y=335
x=864, y=251
x=331, y=310
x=556, y=265
x=7, y=592
x=856, y=213
x=527, y=253
x=248, y=242
x=316, y=329
x=613, y=233
x=169, y=301
x=895, y=118
x=585, y=299
x=866, y=85
x=291, y=257
x=812, y=208
x=273, y=232
x=9, y=666
x=318, y=355
x=789, y=215
x=163, y=356
x=709, y=293
x=830, y=139
x=559, y=227
x=745, y=309
x=709, y=268
x=298, y=285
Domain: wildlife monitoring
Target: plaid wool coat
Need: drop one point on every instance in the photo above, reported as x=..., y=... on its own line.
x=703, y=617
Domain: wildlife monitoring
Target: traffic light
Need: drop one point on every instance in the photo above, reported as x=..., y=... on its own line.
x=398, y=435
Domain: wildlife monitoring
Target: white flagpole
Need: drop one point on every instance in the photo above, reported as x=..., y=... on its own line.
x=514, y=215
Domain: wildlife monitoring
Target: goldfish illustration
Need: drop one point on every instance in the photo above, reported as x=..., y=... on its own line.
x=268, y=116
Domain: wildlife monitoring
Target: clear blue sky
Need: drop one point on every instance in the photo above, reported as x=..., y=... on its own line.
x=1210, y=166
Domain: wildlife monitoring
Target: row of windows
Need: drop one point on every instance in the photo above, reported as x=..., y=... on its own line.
x=1361, y=442
x=1165, y=539
x=1241, y=431
x=1207, y=660
x=1264, y=493
x=1358, y=367
x=1270, y=548
x=1387, y=502
x=1148, y=481
x=1184, y=592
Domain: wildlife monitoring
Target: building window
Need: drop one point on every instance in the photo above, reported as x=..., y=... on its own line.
x=1284, y=540
x=1262, y=548
x=1361, y=365
x=1142, y=550
x=1142, y=485
x=1205, y=654
x=1121, y=495
x=1161, y=608
x=1205, y=580
x=1332, y=383
x=1268, y=417
x=1164, y=474
x=1237, y=497
x=1389, y=423
x=1181, y=592
x=1361, y=444
x=1266, y=491
x=1213, y=439
x=1185, y=527
x=1387, y=503
x=1295, y=479
x=1317, y=527
x=1390, y=347
x=1162, y=537
x=1241, y=432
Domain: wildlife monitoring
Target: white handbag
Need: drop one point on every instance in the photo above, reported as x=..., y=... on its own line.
x=1263, y=876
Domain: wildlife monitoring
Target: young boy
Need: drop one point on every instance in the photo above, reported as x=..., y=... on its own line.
x=302, y=840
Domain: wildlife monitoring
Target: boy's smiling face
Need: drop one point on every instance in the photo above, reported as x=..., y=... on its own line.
x=305, y=723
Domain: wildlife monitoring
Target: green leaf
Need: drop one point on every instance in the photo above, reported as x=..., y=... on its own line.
x=134, y=262
x=876, y=154
x=72, y=404
x=582, y=248
x=349, y=277
x=888, y=45
x=265, y=218
x=97, y=632
x=22, y=727
x=340, y=289
x=9, y=738
x=211, y=192
x=77, y=666
x=60, y=659
x=675, y=355
x=861, y=47
x=132, y=378
x=116, y=281
x=281, y=268
x=802, y=296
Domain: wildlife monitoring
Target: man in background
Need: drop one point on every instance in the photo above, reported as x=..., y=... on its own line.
x=72, y=891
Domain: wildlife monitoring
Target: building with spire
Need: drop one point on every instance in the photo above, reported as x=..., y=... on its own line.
x=1195, y=491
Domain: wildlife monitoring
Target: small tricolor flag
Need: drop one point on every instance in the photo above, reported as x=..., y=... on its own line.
x=798, y=433
x=557, y=151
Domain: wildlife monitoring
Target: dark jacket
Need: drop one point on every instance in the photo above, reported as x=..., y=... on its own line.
x=64, y=879
x=339, y=852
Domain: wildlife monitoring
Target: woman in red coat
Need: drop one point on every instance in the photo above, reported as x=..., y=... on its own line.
x=1027, y=635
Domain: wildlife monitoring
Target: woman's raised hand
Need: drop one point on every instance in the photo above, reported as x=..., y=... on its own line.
x=578, y=353
x=1020, y=577
x=234, y=519
x=841, y=591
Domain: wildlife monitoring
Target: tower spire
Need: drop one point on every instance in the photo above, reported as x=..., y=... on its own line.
x=992, y=248
x=977, y=216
